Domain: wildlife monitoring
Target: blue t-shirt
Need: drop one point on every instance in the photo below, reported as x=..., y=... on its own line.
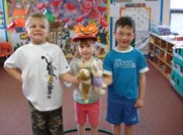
x=125, y=67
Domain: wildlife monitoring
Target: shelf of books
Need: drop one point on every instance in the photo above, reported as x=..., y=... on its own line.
x=166, y=55
x=160, y=54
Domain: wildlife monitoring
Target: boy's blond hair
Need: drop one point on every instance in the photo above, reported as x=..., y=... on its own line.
x=38, y=16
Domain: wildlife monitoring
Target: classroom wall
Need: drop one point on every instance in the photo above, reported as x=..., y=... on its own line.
x=166, y=12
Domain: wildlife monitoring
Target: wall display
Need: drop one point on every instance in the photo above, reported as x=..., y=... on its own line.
x=3, y=35
x=140, y=15
x=67, y=12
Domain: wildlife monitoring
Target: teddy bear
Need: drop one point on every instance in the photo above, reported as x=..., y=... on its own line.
x=86, y=83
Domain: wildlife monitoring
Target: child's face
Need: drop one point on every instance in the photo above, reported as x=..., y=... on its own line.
x=86, y=49
x=37, y=30
x=124, y=37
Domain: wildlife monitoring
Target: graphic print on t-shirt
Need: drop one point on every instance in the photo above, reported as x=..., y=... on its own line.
x=50, y=68
x=124, y=63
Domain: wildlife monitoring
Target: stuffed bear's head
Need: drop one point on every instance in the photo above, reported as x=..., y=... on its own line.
x=84, y=74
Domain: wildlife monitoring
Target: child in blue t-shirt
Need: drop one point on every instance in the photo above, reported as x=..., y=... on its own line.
x=124, y=72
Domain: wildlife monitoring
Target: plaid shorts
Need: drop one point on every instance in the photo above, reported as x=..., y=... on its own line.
x=46, y=123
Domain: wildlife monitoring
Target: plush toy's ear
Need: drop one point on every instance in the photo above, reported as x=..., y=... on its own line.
x=95, y=68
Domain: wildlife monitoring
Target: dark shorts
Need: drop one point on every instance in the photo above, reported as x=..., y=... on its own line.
x=122, y=110
x=46, y=123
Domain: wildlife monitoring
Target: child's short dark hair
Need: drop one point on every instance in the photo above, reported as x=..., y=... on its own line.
x=125, y=21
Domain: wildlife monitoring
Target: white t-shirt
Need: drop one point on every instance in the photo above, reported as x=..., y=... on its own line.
x=41, y=66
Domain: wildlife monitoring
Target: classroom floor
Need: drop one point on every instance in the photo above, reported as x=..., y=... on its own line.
x=161, y=115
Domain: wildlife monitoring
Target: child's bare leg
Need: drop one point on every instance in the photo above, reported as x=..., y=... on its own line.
x=94, y=130
x=81, y=129
x=117, y=129
x=128, y=130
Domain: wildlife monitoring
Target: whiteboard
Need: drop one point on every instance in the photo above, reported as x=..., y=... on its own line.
x=141, y=16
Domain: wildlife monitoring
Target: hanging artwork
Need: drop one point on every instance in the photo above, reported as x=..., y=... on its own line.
x=17, y=11
x=65, y=12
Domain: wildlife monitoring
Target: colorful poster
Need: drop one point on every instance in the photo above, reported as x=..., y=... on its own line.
x=68, y=13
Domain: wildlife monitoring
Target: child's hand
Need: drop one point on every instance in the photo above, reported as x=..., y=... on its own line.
x=77, y=80
x=139, y=103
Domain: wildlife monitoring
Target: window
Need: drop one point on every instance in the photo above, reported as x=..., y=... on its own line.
x=176, y=16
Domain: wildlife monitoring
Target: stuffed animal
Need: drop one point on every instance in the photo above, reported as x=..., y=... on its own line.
x=91, y=79
x=85, y=86
x=97, y=81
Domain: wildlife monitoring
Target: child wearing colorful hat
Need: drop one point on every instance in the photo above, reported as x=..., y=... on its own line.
x=85, y=42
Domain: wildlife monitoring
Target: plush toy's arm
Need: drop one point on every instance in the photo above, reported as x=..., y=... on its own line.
x=97, y=81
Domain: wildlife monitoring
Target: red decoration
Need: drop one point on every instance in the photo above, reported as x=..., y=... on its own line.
x=69, y=6
x=65, y=20
x=101, y=9
x=55, y=3
x=79, y=19
x=41, y=6
x=103, y=22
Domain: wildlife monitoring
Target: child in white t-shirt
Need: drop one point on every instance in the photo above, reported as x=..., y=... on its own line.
x=39, y=66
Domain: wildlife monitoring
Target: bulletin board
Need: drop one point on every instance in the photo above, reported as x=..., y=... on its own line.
x=141, y=16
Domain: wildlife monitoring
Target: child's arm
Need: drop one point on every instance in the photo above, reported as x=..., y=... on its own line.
x=15, y=73
x=70, y=78
x=142, y=85
x=107, y=79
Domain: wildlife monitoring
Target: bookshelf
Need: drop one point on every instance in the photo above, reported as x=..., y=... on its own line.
x=160, y=54
x=177, y=71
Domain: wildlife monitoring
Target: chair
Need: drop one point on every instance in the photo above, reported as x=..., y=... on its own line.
x=5, y=49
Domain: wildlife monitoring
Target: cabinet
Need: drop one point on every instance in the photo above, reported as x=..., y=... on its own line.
x=160, y=54
x=177, y=71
